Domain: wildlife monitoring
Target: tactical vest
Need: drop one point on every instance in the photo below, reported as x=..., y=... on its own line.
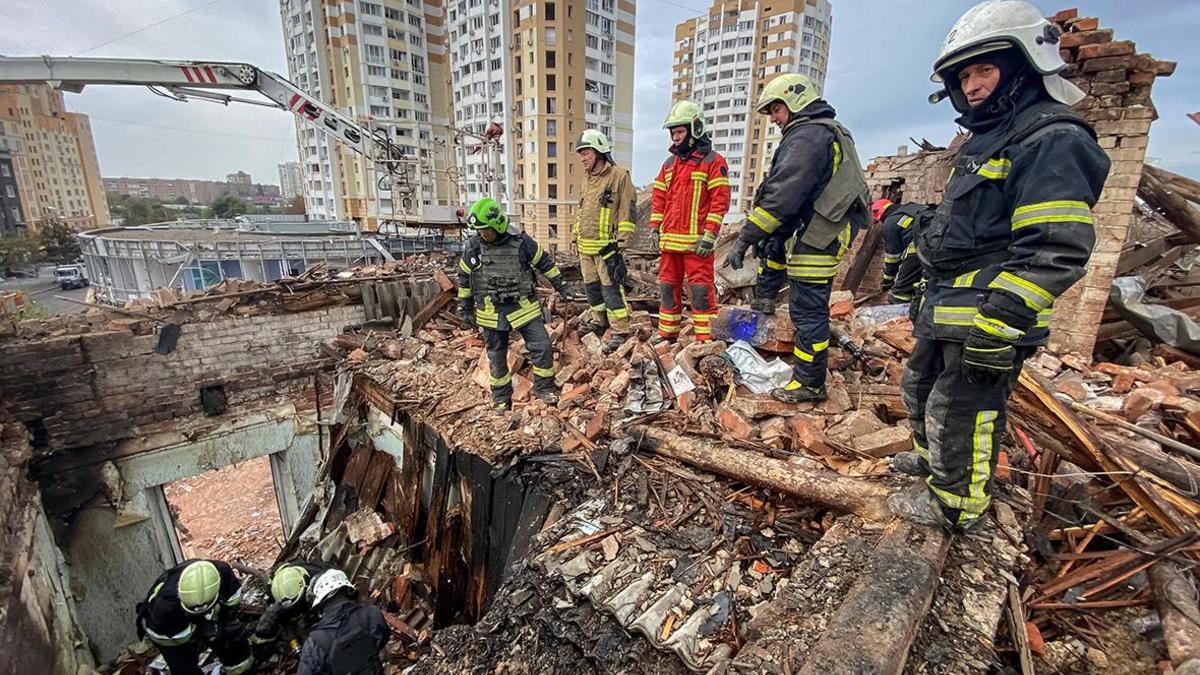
x=845, y=200
x=500, y=275
x=971, y=228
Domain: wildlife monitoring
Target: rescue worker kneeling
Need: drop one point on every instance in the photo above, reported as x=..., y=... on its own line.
x=291, y=602
x=496, y=291
x=193, y=606
x=1014, y=231
x=347, y=637
x=901, y=266
x=816, y=189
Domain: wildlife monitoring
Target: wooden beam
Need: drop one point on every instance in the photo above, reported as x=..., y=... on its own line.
x=1174, y=206
x=852, y=495
x=1175, y=596
x=862, y=261
x=1181, y=185
x=875, y=626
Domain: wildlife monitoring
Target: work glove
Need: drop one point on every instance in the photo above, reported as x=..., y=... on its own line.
x=466, y=316
x=654, y=233
x=986, y=359
x=615, y=263
x=560, y=287
x=737, y=255
x=704, y=247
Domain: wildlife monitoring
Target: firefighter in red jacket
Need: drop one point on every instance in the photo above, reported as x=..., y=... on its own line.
x=690, y=198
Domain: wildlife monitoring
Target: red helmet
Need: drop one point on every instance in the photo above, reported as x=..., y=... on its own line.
x=878, y=207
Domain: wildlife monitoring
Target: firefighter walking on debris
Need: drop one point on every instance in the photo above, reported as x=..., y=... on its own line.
x=901, y=266
x=347, y=637
x=1013, y=232
x=602, y=227
x=816, y=189
x=689, y=201
x=497, y=292
x=191, y=607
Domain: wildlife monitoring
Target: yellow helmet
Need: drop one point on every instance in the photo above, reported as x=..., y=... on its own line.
x=594, y=139
x=686, y=114
x=796, y=91
x=288, y=584
x=199, y=585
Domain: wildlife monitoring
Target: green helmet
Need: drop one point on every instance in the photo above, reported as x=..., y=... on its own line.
x=795, y=91
x=594, y=139
x=288, y=584
x=487, y=213
x=686, y=114
x=198, y=587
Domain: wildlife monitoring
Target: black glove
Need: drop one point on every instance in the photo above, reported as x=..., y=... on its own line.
x=704, y=247
x=560, y=286
x=466, y=316
x=615, y=262
x=738, y=254
x=987, y=360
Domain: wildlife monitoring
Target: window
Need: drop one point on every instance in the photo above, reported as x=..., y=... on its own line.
x=552, y=149
x=551, y=169
x=551, y=105
x=550, y=83
x=372, y=29
x=552, y=191
x=550, y=11
x=370, y=8
x=550, y=59
x=551, y=127
x=374, y=54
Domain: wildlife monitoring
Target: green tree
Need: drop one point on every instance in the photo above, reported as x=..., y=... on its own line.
x=182, y=201
x=144, y=211
x=227, y=207
x=18, y=251
x=58, y=243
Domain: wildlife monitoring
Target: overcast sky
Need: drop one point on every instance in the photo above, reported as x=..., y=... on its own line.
x=878, y=76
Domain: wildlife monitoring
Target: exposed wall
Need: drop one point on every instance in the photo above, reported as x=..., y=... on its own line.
x=1118, y=81
x=104, y=387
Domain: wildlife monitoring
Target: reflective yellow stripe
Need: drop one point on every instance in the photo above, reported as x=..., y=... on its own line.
x=527, y=311
x=486, y=314
x=243, y=667
x=170, y=640
x=598, y=308
x=921, y=450
x=837, y=157
x=1035, y=297
x=995, y=169
x=626, y=226
x=659, y=185
x=670, y=241
x=464, y=292
x=552, y=272
x=462, y=265
x=764, y=220
x=500, y=381
x=656, y=217
x=954, y=316
x=1043, y=318
x=820, y=346
x=543, y=372
x=700, y=175
x=965, y=280
x=602, y=228
x=1061, y=211
x=890, y=258
x=912, y=248
x=981, y=465
x=905, y=221
x=669, y=316
x=996, y=327
x=802, y=355
x=695, y=217
x=713, y=218
x=537, y=255
x=776, y=265
x=591, y=246
x=717, y=182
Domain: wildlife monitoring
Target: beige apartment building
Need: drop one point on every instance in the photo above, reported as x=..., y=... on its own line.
x=56, y=169
x=724, y=58
x=438, y=74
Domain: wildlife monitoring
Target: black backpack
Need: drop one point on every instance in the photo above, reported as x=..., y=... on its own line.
x=351, y=648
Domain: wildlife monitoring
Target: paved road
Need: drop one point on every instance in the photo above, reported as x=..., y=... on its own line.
x=43, y=288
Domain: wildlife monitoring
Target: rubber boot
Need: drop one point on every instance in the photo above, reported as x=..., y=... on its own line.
x=918, y=505
x=763, y=305
x=614, y=343
x=550, y=396
x=798, y=392
x=658, y=339
x=501, y=406
x=910, y=463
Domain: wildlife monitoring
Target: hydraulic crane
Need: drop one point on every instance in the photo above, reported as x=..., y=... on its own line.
x=208, y=80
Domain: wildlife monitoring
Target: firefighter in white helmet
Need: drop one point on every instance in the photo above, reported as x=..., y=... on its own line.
x=1013, y=233
x=347, y=637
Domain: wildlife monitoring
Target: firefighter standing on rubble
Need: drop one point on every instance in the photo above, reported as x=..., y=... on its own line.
x=901, y=266
x=347, y=637
x=1014, y=232
x=193, y=606
x=689, y=201
x=602, y=227
x=290, y=582
x=816, y=189
x=497, y=292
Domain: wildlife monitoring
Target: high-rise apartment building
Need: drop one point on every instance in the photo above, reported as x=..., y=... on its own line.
x=544, y=70
x=382, y=62
x=239, y=178
x=540, y=71
x=12, y=216
x=291, y=182
x=723, y=60
x=56, y=169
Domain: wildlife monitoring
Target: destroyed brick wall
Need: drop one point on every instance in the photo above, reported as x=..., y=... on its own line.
x=37, y=629
x=1117, y=81
x=81, y=390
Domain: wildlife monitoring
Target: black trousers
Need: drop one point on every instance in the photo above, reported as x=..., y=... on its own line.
x=228, y=641
x=772, y=265
x=957, y=426
x=541, y=356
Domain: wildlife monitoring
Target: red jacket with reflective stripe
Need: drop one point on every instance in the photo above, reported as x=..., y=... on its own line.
x=691, y=196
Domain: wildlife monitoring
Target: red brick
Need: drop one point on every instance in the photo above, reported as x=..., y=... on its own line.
x=575, y=392
x=1084, y=24
x=1108, y=63
x=885, y=442
x=1147, y=397
x=807, y=434
x=841, y=309
x=1070, y=40
x=734, y=424
x=1062, y=16
x=1100, y=49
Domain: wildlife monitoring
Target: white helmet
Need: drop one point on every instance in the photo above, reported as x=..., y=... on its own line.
x=1000, y=24
x=326, y=584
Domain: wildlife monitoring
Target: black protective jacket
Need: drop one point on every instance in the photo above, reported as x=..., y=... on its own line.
x=898, y=233
x=800, y=170
x=1015, y=227
x=340, y=618
x=276, y=615
x=161, y=616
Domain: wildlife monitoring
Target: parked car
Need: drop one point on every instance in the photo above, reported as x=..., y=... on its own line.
x=70, y=276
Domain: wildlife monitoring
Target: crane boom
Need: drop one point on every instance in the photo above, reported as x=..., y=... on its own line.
x=203, y=80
